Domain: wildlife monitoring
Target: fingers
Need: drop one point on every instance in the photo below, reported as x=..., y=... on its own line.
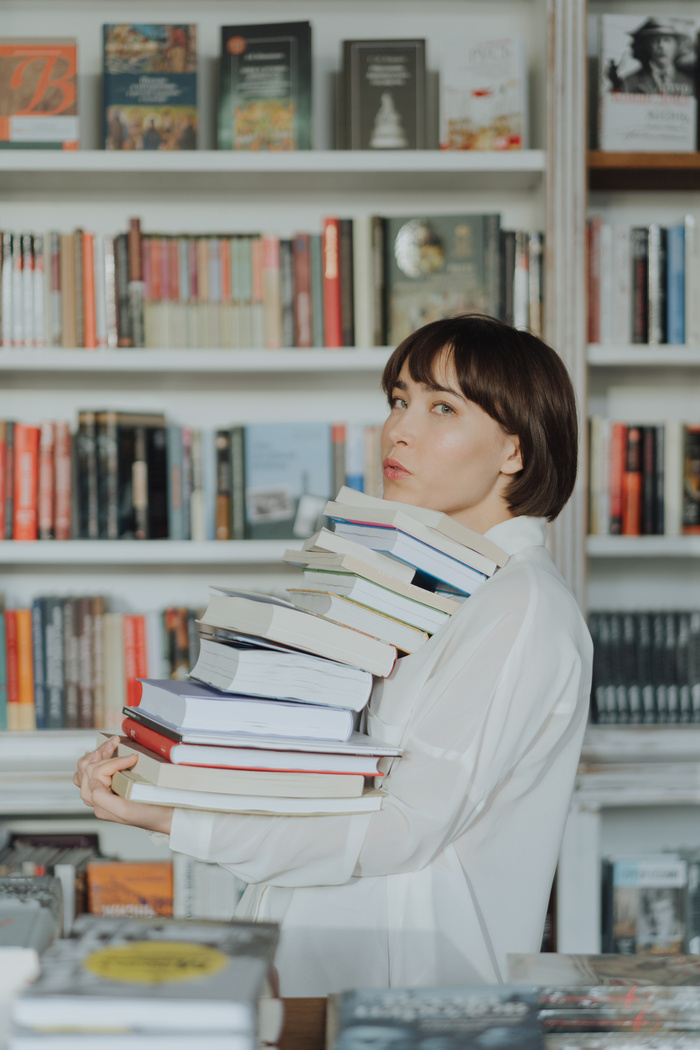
x=101, y=773
x=103, y=751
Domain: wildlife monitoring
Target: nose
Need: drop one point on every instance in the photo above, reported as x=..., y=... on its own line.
x=400, y=428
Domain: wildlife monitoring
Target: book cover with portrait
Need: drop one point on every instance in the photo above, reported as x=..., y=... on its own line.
x=647, y=97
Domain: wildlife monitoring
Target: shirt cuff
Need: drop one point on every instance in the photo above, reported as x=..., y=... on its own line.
x=192, y=831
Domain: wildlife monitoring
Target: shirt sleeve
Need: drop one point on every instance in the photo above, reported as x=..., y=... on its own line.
x=487, y=700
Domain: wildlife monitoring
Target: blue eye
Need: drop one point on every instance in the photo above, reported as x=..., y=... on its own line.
x=443, y=409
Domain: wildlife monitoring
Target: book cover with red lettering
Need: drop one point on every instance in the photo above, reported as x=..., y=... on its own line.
x=38, y=93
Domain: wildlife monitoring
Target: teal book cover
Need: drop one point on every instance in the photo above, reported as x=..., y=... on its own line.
x=288, y=478
x=265, y=87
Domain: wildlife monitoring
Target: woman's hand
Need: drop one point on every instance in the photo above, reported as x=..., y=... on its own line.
x=94, y=778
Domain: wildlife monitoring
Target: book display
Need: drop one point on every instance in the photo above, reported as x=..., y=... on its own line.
x=384, y=100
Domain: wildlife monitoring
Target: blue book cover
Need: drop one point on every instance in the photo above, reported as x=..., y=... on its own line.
x=288, y=478
x=150, y=87
x=675, y=280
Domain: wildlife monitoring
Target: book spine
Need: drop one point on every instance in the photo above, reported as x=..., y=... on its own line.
x=187, y=482
x=87, y=496
x=223, y=485
x=536, y=275
x=89, y=305
x=521, y=281
x=209, y=482
x=133, y=690
x=157, y=477
x=107, y=457
x=673, y=477
x=644, y=669
x=86, y=700
x=25, y=526
x=9, y=479
x=639, y=248
x=622, y=291
x=17, y=291
x=13, y=720
x=301, y=250
x=656, y=284
x=605, y=293
x=197, y=515
x=54, y=662
x=316, y=278
x=691, y=479
x=79, y=290
x=27, y=249
x=25, y=671
x=692, y=280
x=71, y=662
x=135, y=285
x=55, y=312
x=237, y=454
x=99, y=278
x=68, y=331
x=286, y=291
x=40, y=246
x=507, y=238
x=111, y=303
x=121, y=257
x=618, y=454
x=3, y=673
x=46, y=492
x=632, y=484
x=272, y=298
x=6, y=296
x=97, y=660
x=659, y=478
x=648, y=498
x=492, y=264
x=139, y=483
x=175, y=512
x=347, y=283
x=338, y=439
x=332, y=316
x=675, y=283
x=3, y=476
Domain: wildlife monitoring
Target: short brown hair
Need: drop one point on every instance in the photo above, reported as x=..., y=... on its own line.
x=519, y=381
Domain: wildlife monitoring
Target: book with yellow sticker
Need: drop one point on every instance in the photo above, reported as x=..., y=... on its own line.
x=152, y=974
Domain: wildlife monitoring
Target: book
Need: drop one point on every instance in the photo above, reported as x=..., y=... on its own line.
x=331, y=284
x=326, y=542
x=484, y=94
x=439, y=266
x=278, y=621
x=356, y=743
x=288, y=478
x=443, y=1016
x=643, y=904
x=261, y=670
x=609, y=969
x=187, y=704
x=38, y=93
x=130, y=786
x=157, y=974
x=26, y=473
x=129, y=889
x=346, y=570
x=384, y=94
x=159, y=772
x=647, y=99
x=241, y=757
x=149, y=87
x=690, y=508
x=342, y=610
x=31, y=911
x=265, y=87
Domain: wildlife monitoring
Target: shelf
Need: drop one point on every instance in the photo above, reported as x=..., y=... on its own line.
x=639, y=743
x=663, y=356
x=207, y=171
x=36, y=771
x=183, y=553
x=643, y=546
x=174, y=362
x=643, y=171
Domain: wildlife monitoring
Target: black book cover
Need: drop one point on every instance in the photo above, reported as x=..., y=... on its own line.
x=237, y=454
x=691, y=479
x=630, y=665
x=39, y=661
x=287, y=291
x=157, y=467
x=644, y=664
x=648, y=480
x=347, y=290
x=671, y=666
x=384, y=94
x=86, y=451
x=265, y=87
x=639, y=250
x=121, y=259
x=507, y=275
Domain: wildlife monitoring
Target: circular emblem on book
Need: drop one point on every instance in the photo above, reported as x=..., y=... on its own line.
x=236, y=45
x=155, y=962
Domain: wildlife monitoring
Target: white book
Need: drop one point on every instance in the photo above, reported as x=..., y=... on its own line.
x=281, y=673
x=114, y=675
x=604, y=478
x=593, y=474
x=341, y=610
x=17, y=292
x=191, y=705
x=692, y=281
x=100, y=290
x=110, y=287
x=362, y=280
x=325, y=541
x=605, y=248
x=424, y=616
x=28, y=289
x=673, y=477
x=129, y=786
x=7, y=291
x=643, y=105
x=39, y=290
x=621, y=307
x=204, y=890
x=155, y=645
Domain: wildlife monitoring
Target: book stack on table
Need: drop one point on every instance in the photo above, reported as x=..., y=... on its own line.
x=142, y=984
x=267, y=722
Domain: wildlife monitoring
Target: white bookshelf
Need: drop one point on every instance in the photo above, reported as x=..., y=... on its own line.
x=647, y=357
x=646, y=547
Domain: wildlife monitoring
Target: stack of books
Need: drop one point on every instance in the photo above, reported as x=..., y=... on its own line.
x=137, y=983
x=267, y=722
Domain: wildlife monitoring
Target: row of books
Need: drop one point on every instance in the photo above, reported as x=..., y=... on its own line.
x=646, y=666
x=298, y=673
x=642, y=282
x=643, y=480
x=149, y=89
x=133, y=475
x=651, y=904
x=69, y=663
x=359, y=282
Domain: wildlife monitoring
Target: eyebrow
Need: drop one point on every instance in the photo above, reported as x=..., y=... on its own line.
x=433, y=387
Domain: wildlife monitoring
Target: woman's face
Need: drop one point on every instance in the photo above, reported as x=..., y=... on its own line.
x=441, y=451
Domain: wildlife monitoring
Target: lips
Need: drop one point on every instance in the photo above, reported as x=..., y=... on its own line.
x=394, y=471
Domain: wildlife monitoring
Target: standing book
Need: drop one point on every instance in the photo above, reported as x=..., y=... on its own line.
x=265, y=87
x=38, y=93
x=384, y=94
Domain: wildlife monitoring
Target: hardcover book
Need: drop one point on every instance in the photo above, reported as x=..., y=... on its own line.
x=129, y=889
x=38, y=93
x=265, y=87
x=439, y=266
x=647, y=94
x=483, y=94
x=384, y=94
x=150, y=87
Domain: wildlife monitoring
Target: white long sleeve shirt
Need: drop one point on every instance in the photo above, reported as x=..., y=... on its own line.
x=455, y=870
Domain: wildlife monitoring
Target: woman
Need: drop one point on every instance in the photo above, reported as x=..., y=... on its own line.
x=455, y=870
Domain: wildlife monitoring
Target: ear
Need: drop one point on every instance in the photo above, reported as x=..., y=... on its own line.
x=513, y=459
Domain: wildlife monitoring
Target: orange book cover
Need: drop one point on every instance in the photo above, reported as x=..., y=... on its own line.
x=46, y=487
x=130, y=889
x=25, y=671
x=225, y=259
x=133, y=689
x=632, y=485
x=12, y=669
x=62, y=480
x=38, y=92
x=26, y=481
x=141, y=654
x=89, y=316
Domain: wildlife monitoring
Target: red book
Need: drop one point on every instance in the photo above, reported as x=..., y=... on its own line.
x=26, y=481
x=62, y=480
x=618, y=455
x=632, y=484
x=332, y=313
x=45, y=496
x=12, y=662
x=156, y=252
x=89, y=320
x=301, y=257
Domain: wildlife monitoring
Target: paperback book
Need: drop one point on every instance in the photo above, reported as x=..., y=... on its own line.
x=150, y=86
x=384, y=94
x=38, y=93
x=265, y=87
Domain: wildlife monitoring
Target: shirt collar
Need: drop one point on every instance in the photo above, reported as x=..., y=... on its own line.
x=515, y=534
